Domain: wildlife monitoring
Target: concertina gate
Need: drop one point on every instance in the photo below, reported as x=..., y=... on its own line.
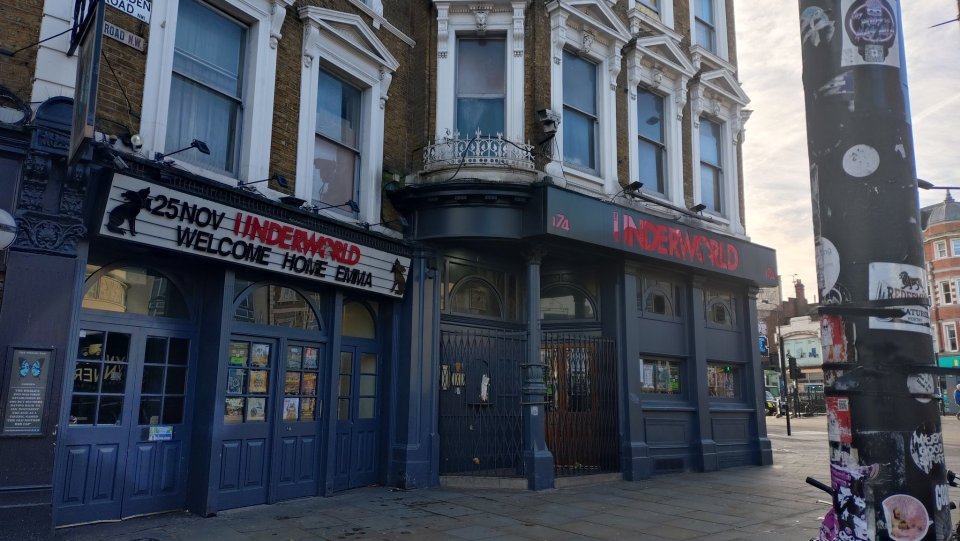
x=481, y=412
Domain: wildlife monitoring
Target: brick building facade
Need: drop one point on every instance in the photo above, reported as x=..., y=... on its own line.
x=318, y=244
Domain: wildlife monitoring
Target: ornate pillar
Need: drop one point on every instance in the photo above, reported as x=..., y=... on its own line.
x=537, y=459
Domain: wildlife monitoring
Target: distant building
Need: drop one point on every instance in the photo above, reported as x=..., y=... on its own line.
x=941, y=250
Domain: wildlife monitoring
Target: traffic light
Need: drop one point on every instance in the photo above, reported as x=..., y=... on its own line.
x=794, y=369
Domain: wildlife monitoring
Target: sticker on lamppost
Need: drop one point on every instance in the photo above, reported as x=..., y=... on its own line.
x=898, y=281
x=869, y=33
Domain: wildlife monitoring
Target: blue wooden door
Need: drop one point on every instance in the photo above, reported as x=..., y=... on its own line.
x=299, y=411
x=126, y=444
x=248, y=413
x=357, y=460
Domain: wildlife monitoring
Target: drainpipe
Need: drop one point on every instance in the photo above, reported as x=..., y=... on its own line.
x=886, y=446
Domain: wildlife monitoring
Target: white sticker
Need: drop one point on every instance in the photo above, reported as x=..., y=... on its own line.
x=534, y=411
x=920, y=386
x=899, y=281
x=861, y=160
x=828, y=265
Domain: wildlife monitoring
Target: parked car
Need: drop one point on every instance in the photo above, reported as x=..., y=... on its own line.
x=772, y=404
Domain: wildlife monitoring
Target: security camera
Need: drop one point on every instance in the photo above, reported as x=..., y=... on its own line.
x=119, y=164
x=549, y=119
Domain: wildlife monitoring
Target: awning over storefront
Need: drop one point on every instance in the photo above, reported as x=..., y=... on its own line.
x=570, y=215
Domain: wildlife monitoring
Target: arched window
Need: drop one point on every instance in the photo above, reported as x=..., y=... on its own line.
x=719, y=308
x=566, y=302
x=359, y=321
x=279, y=306
x=476, y=297
x=134, y=290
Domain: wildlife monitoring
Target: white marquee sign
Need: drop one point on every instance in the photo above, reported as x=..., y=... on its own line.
x=155, y=215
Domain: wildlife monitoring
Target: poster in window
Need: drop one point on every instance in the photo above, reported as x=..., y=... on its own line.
x=258, y=381
x=309, y=385
x=256, y=410
x=291, y=384
x=238, y=353
x=294, y=357
x=309, y=358
x=233, y=411
x=307, y=409
x=291, y=407
x=235, y=378
x=260, y=356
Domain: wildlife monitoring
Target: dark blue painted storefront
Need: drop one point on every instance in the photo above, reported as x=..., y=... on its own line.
x=526, y=315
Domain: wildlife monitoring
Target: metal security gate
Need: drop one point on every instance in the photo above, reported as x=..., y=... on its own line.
x=480, y=414
x=581, y=380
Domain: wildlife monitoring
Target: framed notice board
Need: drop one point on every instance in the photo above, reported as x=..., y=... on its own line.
x=25, y=395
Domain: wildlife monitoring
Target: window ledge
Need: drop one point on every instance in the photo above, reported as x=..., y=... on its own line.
x=699, y=54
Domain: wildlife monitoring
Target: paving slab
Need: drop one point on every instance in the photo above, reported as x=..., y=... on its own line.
x=750, y=503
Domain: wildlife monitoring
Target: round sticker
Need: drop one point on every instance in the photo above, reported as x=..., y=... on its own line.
x=861, y=160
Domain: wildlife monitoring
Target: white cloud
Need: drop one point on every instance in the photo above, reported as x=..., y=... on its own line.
x=776, y=169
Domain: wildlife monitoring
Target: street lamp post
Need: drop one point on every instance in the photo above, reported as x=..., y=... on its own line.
x=780, y=355
x=887, y=463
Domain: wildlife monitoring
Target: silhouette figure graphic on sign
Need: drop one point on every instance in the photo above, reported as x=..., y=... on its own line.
x=399, y=280
x=128, y=211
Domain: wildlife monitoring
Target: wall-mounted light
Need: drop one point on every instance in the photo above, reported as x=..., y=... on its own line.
x=279, y=179
x=632, y=188
x=351, y=204
x=8, y=229
x=196, y=143
x=404, y=224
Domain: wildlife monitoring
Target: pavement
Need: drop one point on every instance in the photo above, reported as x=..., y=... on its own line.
x=767, y=503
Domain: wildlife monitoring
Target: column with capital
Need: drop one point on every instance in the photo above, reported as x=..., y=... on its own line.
x=537, y=459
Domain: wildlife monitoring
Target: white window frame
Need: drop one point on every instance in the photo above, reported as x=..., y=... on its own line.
x=718, y=97
x=263, y=19
x=720, y=16
x=950, y=336
x=658, y=64
x=662, y=15
x=467, y=18
x=940, y=249
x=600, y=41
x=946, y=292
x=371, y=70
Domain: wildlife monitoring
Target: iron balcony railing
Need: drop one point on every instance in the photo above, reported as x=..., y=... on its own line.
x=479, y=150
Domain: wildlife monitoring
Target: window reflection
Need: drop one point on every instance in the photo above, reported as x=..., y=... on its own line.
x=277, y=306
x=134, y=290
x=564, y=302
x=358, y=321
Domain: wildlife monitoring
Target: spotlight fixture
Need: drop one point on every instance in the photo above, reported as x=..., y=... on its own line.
x=632, y=187
x=400, y=220
x=927, y=185
x=698, y=208
x=279, y=179
x=196, y=143
x=351, y=203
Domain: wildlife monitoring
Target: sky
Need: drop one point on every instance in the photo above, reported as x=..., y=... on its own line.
x=776, y=169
